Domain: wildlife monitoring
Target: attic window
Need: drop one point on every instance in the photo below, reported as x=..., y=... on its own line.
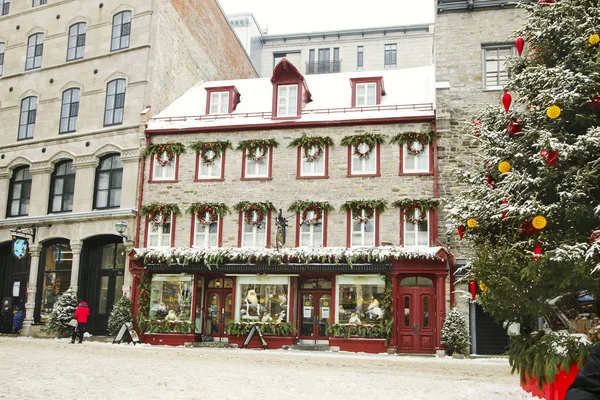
x=221, y=100
x=287, y=100
x=367, y=91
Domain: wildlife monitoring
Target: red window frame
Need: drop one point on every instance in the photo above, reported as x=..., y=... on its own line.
x=197, y=170
x=300, y=155
x=380, y=90
x=193, y=230
x=298, y=228
x=432, y=217
x=234, y=97
x=349, y=229
x=152, y=180
x=270, y=169
x=173, y=226
x=432, y=155
x=241, y=222
x=377, y=164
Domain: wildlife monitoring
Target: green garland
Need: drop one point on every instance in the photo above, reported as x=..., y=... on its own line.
x=285, y=329
x=370, y=139
x=215, y=210
x=159, y=212
x=159, y=149
x=217, y=147
x=261, y=208
x=144, y=303
x=350, y=330
x=388, y=311
x=308, y=142
x=423, y=205
x=356, y=206
x=162, y=326
x=425, y=138
x=542, y=355
x=251, y=146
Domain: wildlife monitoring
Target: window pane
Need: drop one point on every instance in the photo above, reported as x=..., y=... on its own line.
x=171, y=297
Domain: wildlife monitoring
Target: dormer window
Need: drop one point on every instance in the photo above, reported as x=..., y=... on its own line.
x=287, y=100
x=222, y=100
x=290, y=92
x=367, y=91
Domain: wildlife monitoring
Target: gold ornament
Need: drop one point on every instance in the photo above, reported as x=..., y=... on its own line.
x=594, y=39
x=504, y=167
x=471, y=222
x=539, y=222
x=483, y=287
x=553, y=111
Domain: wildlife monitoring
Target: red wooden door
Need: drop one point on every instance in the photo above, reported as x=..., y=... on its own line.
x=315, y=313
x=416, y=318
x=218, y=312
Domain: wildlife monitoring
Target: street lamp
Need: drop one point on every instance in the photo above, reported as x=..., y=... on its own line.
x=121, y=227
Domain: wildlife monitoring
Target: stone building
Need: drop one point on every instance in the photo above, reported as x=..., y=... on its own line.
x=472, y=40
x=74, y=77
x=348, y=161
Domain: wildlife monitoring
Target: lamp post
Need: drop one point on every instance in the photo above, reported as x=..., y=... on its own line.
x=121, y=228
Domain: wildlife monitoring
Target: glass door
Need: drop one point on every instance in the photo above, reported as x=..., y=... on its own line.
x=218, y=312
x=316, y=315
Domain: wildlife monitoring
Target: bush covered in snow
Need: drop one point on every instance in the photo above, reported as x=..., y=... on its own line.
x=120, y=314
x=455, y=334
x=62, y=313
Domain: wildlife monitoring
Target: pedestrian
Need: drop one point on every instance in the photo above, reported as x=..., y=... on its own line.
x=18, y=321
x=587, y=382
x=81, y=315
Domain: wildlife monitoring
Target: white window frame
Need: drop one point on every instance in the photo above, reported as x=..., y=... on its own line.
x=164, y=173
x=287, y=100
x=363, y=225
x=309, y=230
x=413, y=233
x=219, y=102
x=202, y=232
x=425, y=154
x=500, y=63
x=314, y=168
x=252, y=168
x=363, y=162
x=256, y=231
x=213, y=170
x=366, y=99
x=157, y=231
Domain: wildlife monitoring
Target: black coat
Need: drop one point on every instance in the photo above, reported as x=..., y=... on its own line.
x=587, y=382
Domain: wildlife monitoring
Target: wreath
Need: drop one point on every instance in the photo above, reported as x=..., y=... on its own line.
x=415, y=152
x=158, y=216
x=158, y=213
x=205, y=155
x=369, y=206
x=215, y=210
x=410, y=205
x=357, y=215
x=205, y=148
x=159, y=149
x=314, y=157
x=249, y=216
x=252, y=146
x=207, y=210
x=369, y=139
x=308, y=142
x=408, y=138
x=314, y=208
x=259, y=208
x=162, y=150
x=251, y=153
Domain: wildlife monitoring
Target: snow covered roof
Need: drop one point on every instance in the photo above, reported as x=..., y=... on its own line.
x=409, y=94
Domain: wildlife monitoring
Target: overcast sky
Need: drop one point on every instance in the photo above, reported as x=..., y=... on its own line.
x=286, y=16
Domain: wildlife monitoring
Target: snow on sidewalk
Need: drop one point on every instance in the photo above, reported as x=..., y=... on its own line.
x=53, y=368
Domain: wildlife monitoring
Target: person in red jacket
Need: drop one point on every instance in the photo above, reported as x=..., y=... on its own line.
x=81, y=315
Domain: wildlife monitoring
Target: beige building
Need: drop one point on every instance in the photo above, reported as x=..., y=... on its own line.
x=74, y=78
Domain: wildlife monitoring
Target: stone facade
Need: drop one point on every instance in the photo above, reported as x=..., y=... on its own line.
x=173, y=44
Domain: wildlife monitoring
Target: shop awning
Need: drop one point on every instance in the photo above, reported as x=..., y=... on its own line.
x=273, y=268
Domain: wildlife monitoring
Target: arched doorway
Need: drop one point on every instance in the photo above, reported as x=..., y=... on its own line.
x=417, y=314
x=101, y=278
x=14, y=279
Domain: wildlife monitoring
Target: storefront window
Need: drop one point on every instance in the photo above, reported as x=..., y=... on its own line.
x=221, y=283
x=316, y=284
x=171, y=298
x=57, y=275
x=199, y=299
x=359, y=299
x=262, y=299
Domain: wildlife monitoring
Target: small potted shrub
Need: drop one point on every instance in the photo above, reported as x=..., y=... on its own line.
x=455, y=334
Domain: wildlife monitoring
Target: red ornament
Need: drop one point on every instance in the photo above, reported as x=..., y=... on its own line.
x=513, y=127
x=504, y=208
x=461, y=231
x=519, y=43
x=537, y=251
x=528, y=229
x=506, y=100
x=473, y=289
x=594, y=236
x=545, y=2
x=490, y=181
x=476, y=127
x=594, y=104
x=550, y=157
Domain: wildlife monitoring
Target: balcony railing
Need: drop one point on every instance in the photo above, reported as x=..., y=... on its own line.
x=323, y=67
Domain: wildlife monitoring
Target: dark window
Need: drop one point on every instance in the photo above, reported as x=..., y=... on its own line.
x=76, y=41
x=35, y=49
x=69, y=111
x=27, y=119
x=390, y=56
x=19, y=193
x=4, y=6
x=311, y=61
x=359, y=58
x=1, y=57
x=109, y=176
x=336, y=59
x=115, y=102
x=121, y=28
x=62, y=187
x=39, y=2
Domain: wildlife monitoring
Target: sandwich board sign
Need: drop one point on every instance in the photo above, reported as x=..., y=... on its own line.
x=127, y=333
x=255, y=329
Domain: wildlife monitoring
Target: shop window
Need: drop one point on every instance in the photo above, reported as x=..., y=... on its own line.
x=163, y=169
x=362, y=229
x=416, y=231
x=262, y=299
x=221, y=283
x=159, y=235
x=254, y=230
x=171, y=298
x=360, y=299
x=316, y=284
x=206, y=233
x=56, y=276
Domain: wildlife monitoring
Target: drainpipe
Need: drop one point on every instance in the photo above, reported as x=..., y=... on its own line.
x=140, y=195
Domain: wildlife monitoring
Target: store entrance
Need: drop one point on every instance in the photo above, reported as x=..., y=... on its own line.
x=14, y=274
x=315, y=310
x=416, y=325
x=219, y=306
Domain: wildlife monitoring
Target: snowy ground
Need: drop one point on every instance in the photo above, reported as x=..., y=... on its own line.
x=54, y=369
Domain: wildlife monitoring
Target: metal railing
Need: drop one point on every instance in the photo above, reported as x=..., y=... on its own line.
x=323, y=67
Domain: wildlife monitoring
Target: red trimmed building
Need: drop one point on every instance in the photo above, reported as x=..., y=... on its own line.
x=347, y=161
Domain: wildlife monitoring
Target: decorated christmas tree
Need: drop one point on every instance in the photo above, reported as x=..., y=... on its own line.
x=120, y=314
x=62, y=313
x=531, y=207
x=455, y=334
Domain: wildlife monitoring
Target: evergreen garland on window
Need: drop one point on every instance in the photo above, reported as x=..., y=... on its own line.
x=261, y=209
x=308, y=142
x=410, y=205
x=254, y=145
x=159, y=212
x=370, y=206
x=159, y=149
x=407, y=138
x=369, y=139
x=214, y=209
x=204, y=148
x=304, y=207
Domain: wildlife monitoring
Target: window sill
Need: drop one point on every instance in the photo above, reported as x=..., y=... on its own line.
x=257, y=179
x=209, y=179
x=286, y=117
x=428, y=173
x=313, y=177
x=493, y=89
x=363, y=176
x=161, y=181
